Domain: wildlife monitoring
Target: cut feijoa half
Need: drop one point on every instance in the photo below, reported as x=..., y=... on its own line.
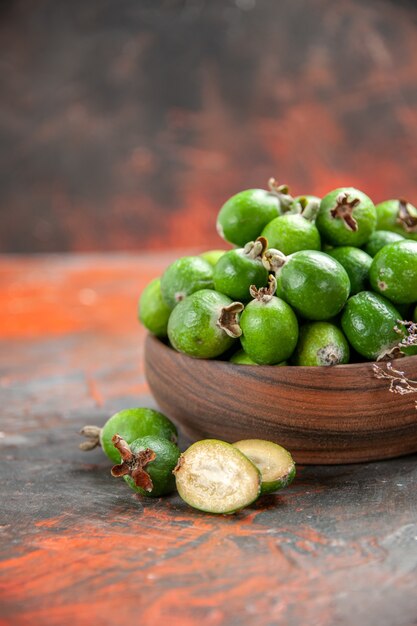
x=273, y=461
x=215, y=477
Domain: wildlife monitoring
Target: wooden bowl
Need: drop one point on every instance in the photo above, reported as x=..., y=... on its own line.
x=343, y=414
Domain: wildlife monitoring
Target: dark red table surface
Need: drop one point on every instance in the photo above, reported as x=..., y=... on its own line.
x=78, y=547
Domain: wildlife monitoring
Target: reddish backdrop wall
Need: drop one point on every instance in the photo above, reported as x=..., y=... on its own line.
x=126, y=124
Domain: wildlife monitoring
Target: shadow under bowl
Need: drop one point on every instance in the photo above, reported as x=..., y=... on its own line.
x=343, y=414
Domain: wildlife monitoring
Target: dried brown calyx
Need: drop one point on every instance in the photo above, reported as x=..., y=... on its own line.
x=282, y=192
x=273, y=259
x=229, y=319
x=344, y=210
x=408, y=332
x=133, y=463
x=405, y=218
x=92, y=435
x=255, y=249
x=264, y=294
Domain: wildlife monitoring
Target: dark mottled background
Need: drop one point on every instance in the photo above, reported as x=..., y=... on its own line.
x=125, y=124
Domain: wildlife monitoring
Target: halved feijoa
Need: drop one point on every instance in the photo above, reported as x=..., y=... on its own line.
x=215, y=477
x=273, y=461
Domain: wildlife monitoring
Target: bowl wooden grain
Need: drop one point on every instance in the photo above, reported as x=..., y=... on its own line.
x=343, y=414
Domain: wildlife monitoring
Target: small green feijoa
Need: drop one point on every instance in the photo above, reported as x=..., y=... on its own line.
x=241, y=358
x=379, y=239
x=321, y=344
x=212, y=256
x=238, y=269
x=269, y=327
x=398, y=216
x=153, y=311
x=292, y=232
x=347, y=217
x=131, y=424
x=205, y=324
x=184, y=277
x=356, y=263
x=147, y=464
x=215, y=477
x=393, y=272
x=274, y=462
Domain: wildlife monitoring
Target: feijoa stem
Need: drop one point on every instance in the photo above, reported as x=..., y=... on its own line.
x=343, y=210
x=310, y=209
x=133, y=463
x=255, y=249
x=229, y=320
x=264, y=294
x=282, y=192
x=92, y=434
x=405, y=218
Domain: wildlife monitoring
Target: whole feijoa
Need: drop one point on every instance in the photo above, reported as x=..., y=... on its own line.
x=393, y=272
x=147, y=464
x=356, y=263
x=205, y=324
x=241, y=358
x=369, y=322
x=398, y=216
x=314, y=284
x=153, y=311
x=269, y=327
x=212, y=256
x=184, y=277
x=244, y=215
x=291, y=232
x=347, y=217
x=379, y=239
x=321, y=344
x=238, y=269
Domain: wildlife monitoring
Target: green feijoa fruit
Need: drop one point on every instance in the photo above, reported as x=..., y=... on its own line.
x=147, y=464
x=347, y=217
x=153, y=312
x=238, y=269
x=393, y=272
x=321, y=344
x=398, y=216
x=212, y=256
x=244, y=215
x=241, y=358
x=131, y=424
x=369, y=321
x=205, y=324
x=215, y=477
x=290, y=233
x=379, y=239
x=356, y=263
x=314, y=284
x=273, y=461
x=269, y=327
x=184, y=277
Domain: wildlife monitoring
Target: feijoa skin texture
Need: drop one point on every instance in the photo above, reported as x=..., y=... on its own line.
x=184, y=277
x=241, y=358
x=244, y=215
x=379, y=239
x=393, y=272
x=368, y=322
x=356, y=263
x=321, y=344
x=235, y=272
x=193, y=326
x=132, y=424
x=269, y=331
x=290, y=233
x=347, y=217
x=397, y=216
x=160, y=469
x=153, y=312
x=215, y=477
x=212, y=256
x=314, y=284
